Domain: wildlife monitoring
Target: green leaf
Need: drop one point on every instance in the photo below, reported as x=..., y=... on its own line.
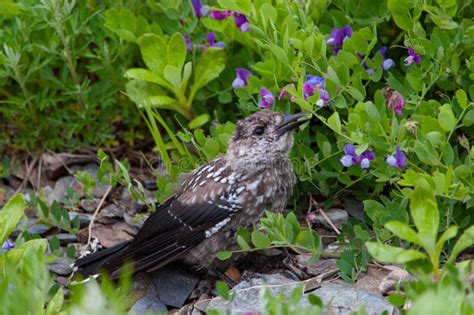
x=10, y=216
x=469, y=118
x=461, y=97
x=54, y=243
x=243, y=6
x=210, y=65
x=199, y=121
x=154, y=52
x=243, y=243
x=173, y=76
x=260, y=240
x=56, y=303
x=334, y=122
x=403, y=231
x=147, y=75
x=448, y=234
x=466, y=240
x=424, y=210
x=390, y=254
x=372, y=111
x=222, y=290
x=279, y=53
x=446, y=118
x=224, y=255
x=177, y=51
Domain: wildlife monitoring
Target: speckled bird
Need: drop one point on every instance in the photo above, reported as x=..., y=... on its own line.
x=213, y=201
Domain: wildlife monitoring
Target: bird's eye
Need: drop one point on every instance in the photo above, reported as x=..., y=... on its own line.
x=259, y=131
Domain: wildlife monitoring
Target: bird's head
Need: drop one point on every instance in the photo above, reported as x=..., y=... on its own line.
x=265, y=135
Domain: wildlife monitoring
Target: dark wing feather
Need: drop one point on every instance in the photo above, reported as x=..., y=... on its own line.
x=173, y=229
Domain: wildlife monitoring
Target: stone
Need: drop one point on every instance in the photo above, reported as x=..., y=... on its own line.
x=122, y=226
x=339, y=299
x=203, y=287
x=338, y=217
x=84, y=218
x=343, y=299
x=61, y=266
x=317, y=268
x=89, y=205
x=111, y=211
x=395, y=276
x=64, y=238
x=147, y=305
x=109, y=237
x=60, y=189
x=354, y=207
x=174, y=285
x=247, y=293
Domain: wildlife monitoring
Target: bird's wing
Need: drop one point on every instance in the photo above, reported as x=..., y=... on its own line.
x=182, y=222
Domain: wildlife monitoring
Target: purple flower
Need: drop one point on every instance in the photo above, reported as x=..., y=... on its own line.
x=315, y=82
x=387, y=62
x=8, y=245
x=365, y=158
x=394, y=99
x=399, y=160
x=338, y=35
x=267, y=98
x=211, y=38
x=199, y=8
x=220, y=15
x=284, y=92
x=242, y=75
x=413, y=57
x=241, y=21
x=350, y=157
x=189, y=44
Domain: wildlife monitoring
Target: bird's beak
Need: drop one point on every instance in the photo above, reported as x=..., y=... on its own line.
x=290, y=122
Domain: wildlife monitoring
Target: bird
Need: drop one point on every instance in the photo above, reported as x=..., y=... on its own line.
x=212, y=202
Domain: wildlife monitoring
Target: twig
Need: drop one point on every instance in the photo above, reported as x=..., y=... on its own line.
x=29, y=167
x=40, y=167
x=329, y=221
x=91, y=224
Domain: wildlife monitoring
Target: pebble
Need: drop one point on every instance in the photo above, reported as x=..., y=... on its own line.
x=61, y=266
x=148, y=305
x=174, y=285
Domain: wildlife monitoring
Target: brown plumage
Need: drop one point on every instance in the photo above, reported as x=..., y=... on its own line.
x=213, y=201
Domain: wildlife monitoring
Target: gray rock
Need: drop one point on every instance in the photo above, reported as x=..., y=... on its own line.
x=39, y=229
x=112, y=211
x=316, y=268
x=247, y=293
x=84, y=218
x=354, y=207
x=338, y=299
x=60, y=189
x=148, y=304
x=343, y=299
x=338, y=217
x=61, y=266
x=64, y=238
x=174, y=285
x=33, y=227
x=89, y=205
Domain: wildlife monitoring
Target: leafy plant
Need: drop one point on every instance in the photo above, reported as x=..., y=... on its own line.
x=27, y=288
x=277, y=231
